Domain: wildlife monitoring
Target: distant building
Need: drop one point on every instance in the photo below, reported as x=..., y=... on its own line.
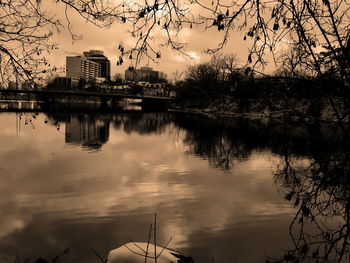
x=81, y=67
x=97, y=56
x=145, y=74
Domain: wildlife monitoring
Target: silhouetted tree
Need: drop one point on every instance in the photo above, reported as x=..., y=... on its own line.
x=24, y=36
x=26, y=30
x=203, y=73
x=117, y=79
x=307, y=24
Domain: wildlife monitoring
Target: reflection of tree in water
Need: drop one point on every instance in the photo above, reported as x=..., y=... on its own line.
x=220, y=150
x=320, y=189
x=314, y=174
x=223, y=141
x=220, y=142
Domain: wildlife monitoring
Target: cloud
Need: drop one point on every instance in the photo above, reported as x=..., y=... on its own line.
x=197, y=40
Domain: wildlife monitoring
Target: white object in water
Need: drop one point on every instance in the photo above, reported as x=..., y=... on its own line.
x=135, y=252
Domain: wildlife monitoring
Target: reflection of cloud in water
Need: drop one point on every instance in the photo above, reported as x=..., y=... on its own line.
x=65, y=195
x=10, y=225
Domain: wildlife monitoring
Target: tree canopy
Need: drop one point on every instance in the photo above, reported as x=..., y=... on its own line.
x=318, y=29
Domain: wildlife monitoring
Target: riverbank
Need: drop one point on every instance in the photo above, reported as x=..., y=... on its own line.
x=283, y=109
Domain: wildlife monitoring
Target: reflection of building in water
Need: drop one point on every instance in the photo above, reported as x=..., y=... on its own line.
x=91, y=133
x=144, y=123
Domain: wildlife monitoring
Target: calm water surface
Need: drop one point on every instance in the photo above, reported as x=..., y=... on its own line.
x=83, y=181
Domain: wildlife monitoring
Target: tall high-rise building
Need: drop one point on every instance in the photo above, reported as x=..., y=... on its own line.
x=97, y=56
x=90, y=66
x=81, y=67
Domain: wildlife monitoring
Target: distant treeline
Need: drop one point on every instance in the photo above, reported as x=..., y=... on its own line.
x=204, y=81
x=220, y=86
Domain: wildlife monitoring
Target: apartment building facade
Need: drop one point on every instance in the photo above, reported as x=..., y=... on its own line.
x=81, y=67
x=99, y=57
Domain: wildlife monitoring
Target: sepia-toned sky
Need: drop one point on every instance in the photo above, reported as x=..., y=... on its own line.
x=109, y=39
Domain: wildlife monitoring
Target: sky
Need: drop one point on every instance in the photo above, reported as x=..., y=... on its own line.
x=108, y=40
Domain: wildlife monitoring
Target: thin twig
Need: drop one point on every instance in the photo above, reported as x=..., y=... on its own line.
x=149, y=239
x=98, y=255
x=155, y=237
x=137, y=245
x=166, y=245
x=135, y=251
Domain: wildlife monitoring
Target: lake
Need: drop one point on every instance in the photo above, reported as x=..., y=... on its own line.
x=224, y=189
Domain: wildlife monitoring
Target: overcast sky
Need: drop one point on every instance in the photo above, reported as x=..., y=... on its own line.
x=109, y=39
